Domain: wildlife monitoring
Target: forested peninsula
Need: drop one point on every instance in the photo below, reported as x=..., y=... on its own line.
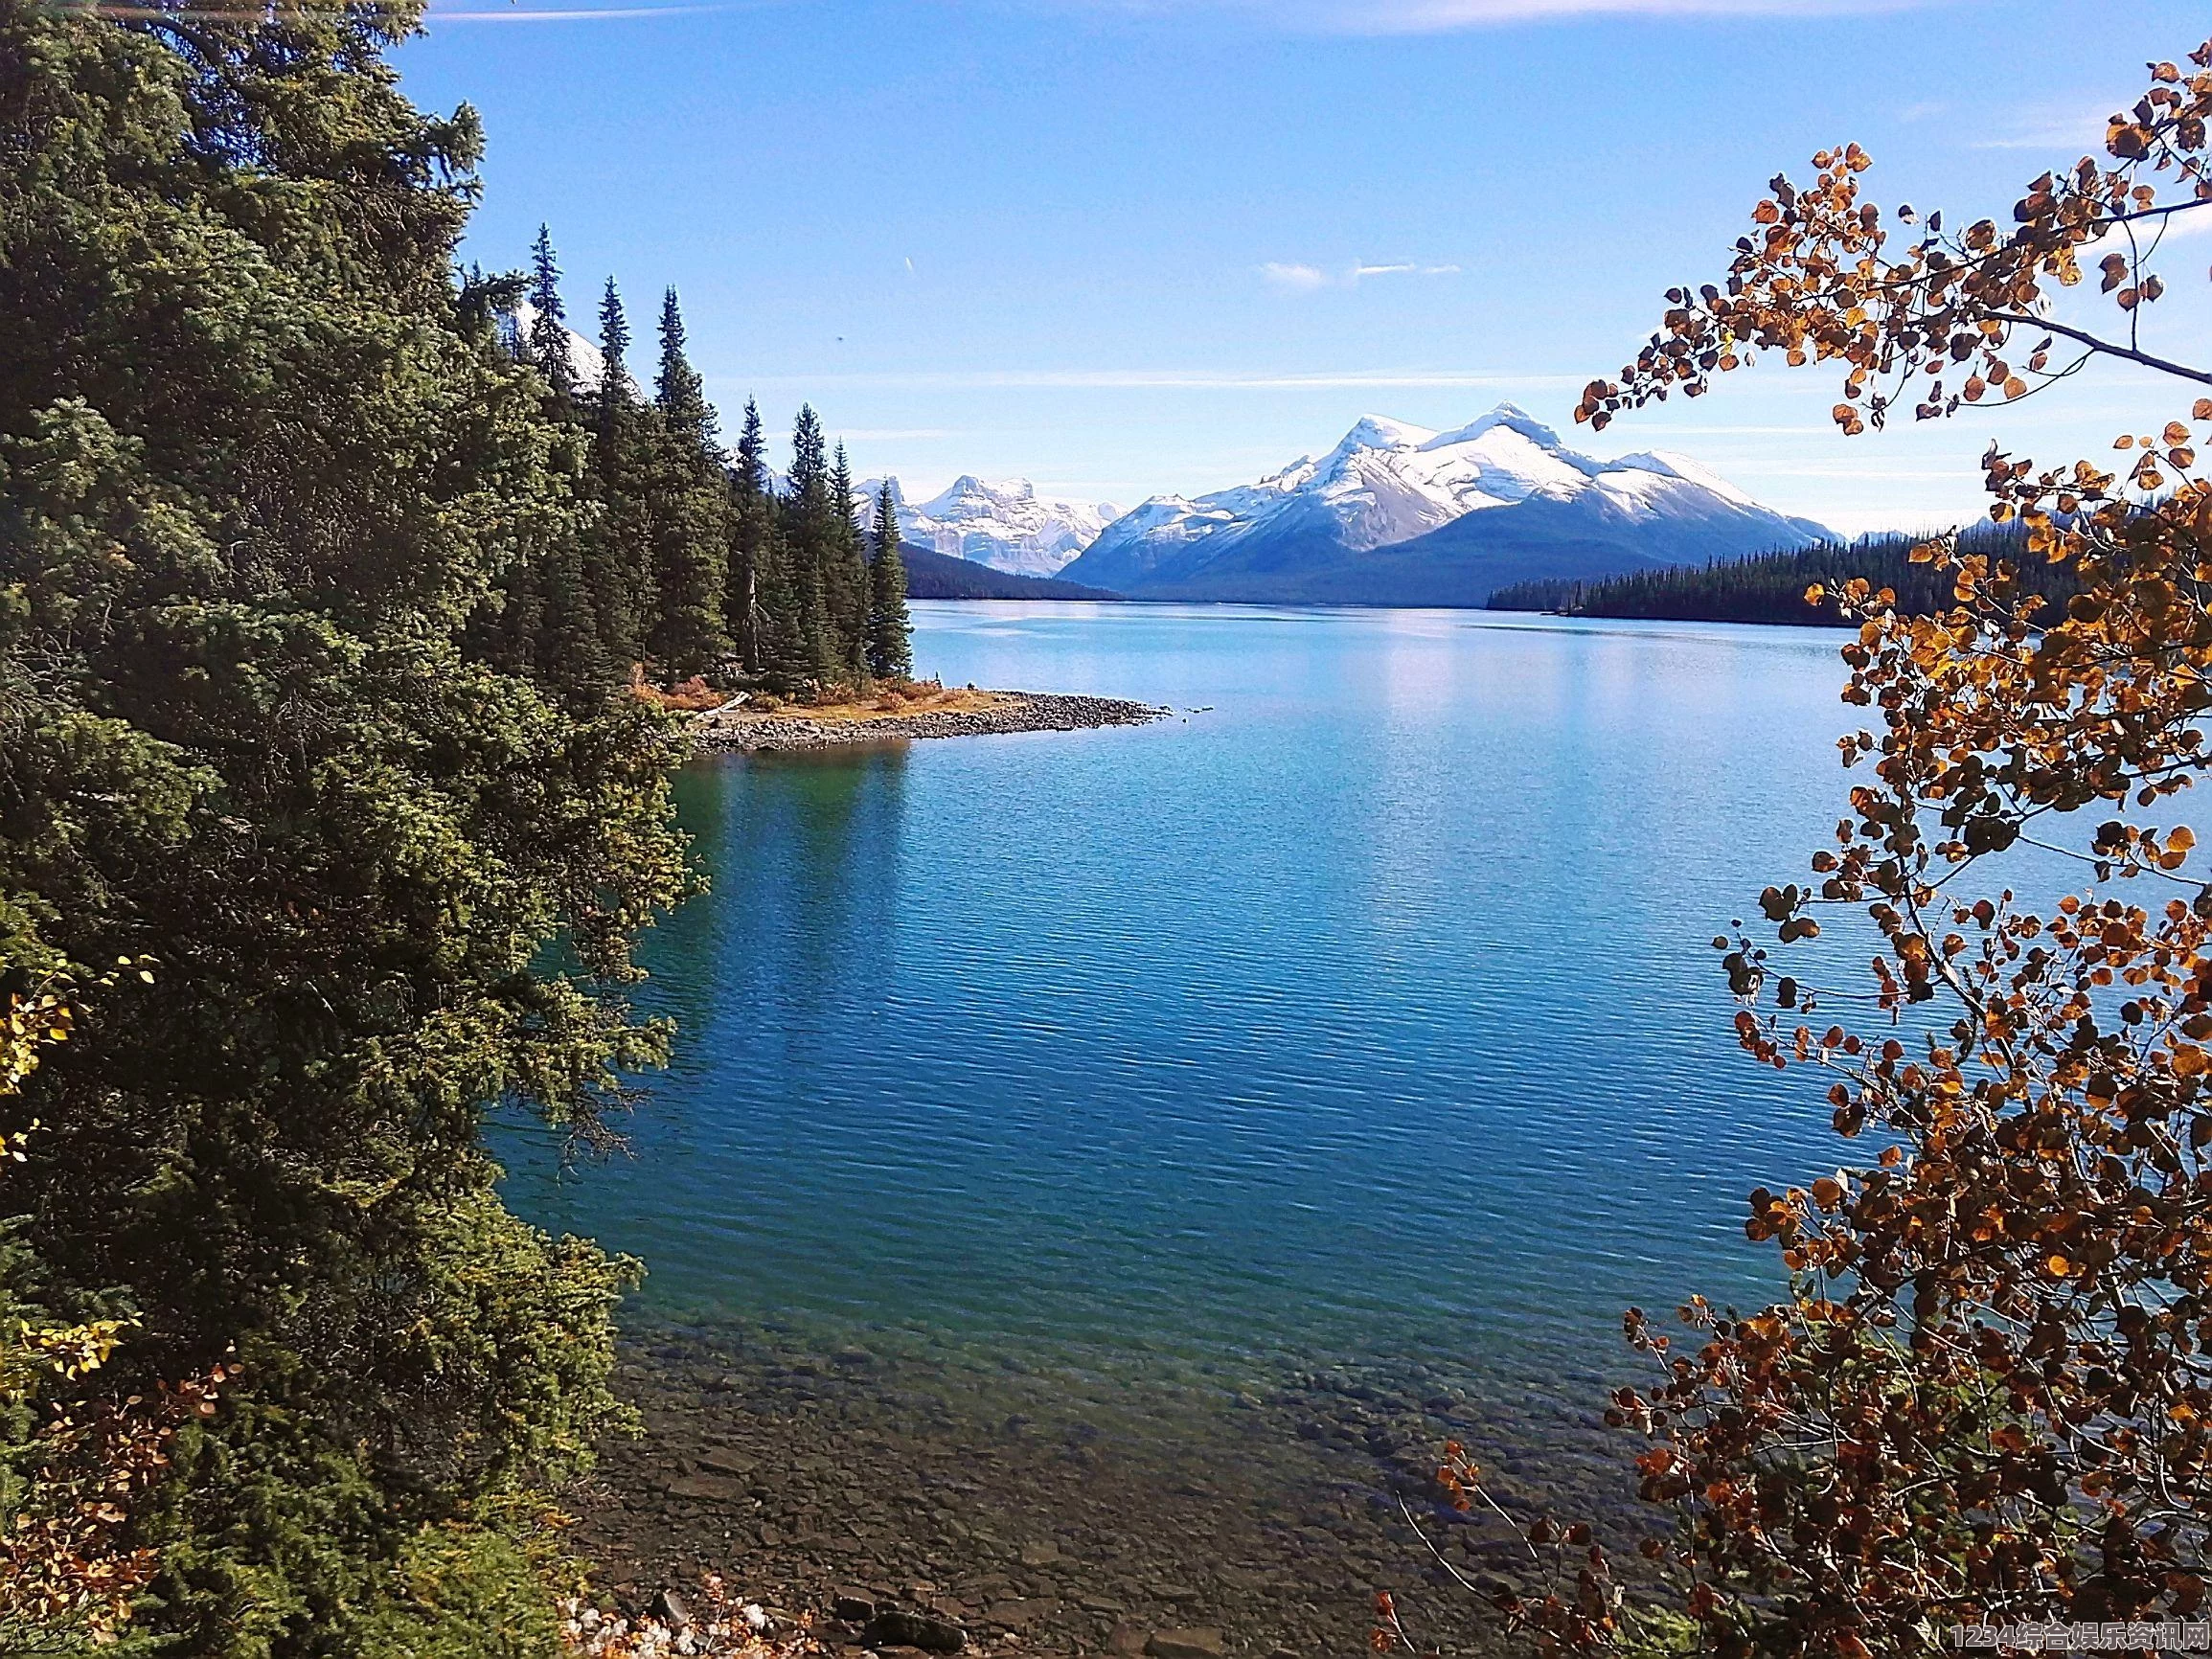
x=1773, y=587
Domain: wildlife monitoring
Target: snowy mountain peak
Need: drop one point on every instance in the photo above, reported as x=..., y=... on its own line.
x=1381, y=432
x=1002, y=524
x=1508, y=417
x=1674, y=466
x=969, y=489
x=1390, y=483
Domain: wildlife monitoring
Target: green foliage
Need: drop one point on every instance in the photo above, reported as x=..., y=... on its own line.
x=689, y=501
x=547, y=348
x=809, y=538
x=274, y=503
x=846, y=578
x=890, y=647
x=687, y=561
x=618, y=549
x=1771, y=587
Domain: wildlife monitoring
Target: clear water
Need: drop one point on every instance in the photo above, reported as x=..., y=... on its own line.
x=1371, y=1010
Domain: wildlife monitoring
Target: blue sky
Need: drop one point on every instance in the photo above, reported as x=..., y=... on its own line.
x=1129, y=248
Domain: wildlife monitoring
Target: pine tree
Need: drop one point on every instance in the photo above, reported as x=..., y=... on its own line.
x=751, y=523
x=618, y=559
x=849, y=567
x=679, y=392
x=890, y=629
x=690, y=508
x=547, y=347
x=615, y=386
x=807, y=535
x=569, y=655
x=786, y=655
x=389, y=886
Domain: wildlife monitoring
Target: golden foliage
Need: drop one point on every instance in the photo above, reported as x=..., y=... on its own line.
x=1818, y=279
x=1988, y=1399
x=64, y=1560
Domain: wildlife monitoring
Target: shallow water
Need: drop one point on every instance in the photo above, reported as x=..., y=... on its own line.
x=1371, y=1012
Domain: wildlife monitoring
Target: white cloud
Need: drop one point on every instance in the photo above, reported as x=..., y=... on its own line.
x=2075, y=132
x=1301, y=279
x=1160, y=379
x=1437, y=17
x=565, y=14
x=1424, y=17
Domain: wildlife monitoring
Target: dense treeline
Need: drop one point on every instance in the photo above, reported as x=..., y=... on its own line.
x=1771, y=587
x=698, y=561
x=322, y=787
x=932, y=575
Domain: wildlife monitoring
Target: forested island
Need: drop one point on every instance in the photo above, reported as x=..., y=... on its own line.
x=1771, y=587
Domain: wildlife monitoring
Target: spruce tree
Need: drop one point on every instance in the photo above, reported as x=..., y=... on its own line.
x=787, y=656
x=849, y=566
x=618, y=556
x=807, y=539
x=547, y=347
x=261, y=462
x=890, y=629
x=751, y=523
x=689, y=501
x=615, y=386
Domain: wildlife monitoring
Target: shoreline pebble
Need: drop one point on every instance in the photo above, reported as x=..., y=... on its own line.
x=1013, y=712
x=1048, y=1512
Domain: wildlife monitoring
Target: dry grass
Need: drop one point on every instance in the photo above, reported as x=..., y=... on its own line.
x=691, y=696
x=889, y=702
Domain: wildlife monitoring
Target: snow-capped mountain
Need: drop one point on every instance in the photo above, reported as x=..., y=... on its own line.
x=1396, y=513
x=1005, y=525
x=584, y=357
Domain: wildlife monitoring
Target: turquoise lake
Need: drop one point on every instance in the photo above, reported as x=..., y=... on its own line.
x=1366, y=1007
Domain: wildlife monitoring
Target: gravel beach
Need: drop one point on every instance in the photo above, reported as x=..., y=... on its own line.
x=1007, y=711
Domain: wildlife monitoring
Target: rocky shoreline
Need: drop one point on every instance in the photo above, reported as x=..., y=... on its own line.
x=894, y=1502
x=737, y=729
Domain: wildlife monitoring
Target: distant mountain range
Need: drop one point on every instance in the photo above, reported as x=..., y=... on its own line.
x=1005, y=525
x=940, y=576
x=1398, y=514
x=1393, y=514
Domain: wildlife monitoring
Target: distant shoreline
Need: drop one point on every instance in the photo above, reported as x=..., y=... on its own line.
x=737, y=730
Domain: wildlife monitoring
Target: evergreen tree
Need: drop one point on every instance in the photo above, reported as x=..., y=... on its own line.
x=618, y=556
x=808, y=545
x=751, y=525
x=689, y=503
x=261, y=462
x=568, y=653
x=615, y=386
x=890, y=631
x=548, y=623
x=788, y=655
x=547, y=347
x=848, y=573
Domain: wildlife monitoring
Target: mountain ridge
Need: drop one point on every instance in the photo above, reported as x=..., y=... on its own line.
x=1005, y=525
x=1396, y=513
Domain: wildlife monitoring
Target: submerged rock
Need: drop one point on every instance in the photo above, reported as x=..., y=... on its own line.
x=1202, y=1642
x=895, y=1627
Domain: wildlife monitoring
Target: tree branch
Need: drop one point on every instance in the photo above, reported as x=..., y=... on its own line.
x=2203, y=378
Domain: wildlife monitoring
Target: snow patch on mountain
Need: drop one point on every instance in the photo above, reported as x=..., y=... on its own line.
x=1389, y=482
x=584, y=360
x=1007, y=525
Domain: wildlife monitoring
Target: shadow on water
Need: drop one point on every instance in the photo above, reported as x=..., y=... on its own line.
x=829, y=825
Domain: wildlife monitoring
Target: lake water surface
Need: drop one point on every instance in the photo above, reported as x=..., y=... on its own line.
x=1367, y=1007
